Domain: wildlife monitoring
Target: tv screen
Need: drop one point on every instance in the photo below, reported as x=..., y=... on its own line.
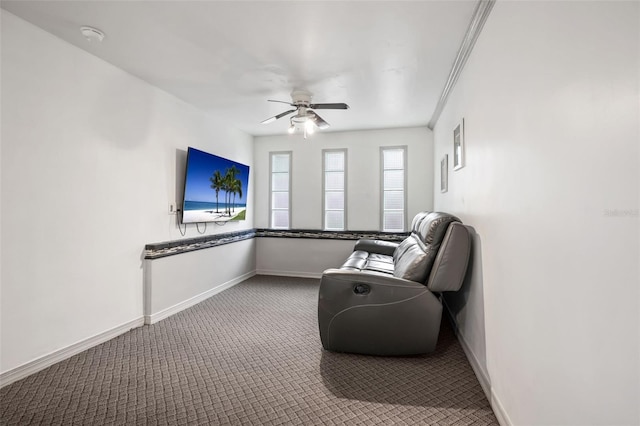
x=215, y=189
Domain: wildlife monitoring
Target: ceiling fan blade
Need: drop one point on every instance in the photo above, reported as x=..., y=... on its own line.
x=329, y=106
x=318, y=121
x=275, y=117
x=282, y=102
x=282, y=114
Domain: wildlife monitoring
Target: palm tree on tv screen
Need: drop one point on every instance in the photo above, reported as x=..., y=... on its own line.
x=217, y=183
x=230, y=178
x=236, y=188
x=230, y=184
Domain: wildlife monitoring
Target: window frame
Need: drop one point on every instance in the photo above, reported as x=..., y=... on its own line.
x=344, y=190
x=272, y=154
x=404, y=183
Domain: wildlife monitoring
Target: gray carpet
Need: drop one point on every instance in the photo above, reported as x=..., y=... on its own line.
x=249, y=355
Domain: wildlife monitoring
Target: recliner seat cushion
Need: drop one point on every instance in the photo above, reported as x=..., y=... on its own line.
x=373, y=262
x=356, y=261
x=379, y=266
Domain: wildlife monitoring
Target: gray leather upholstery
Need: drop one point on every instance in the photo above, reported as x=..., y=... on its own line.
x=376, y=246
x=450, y=266
x=383, y=300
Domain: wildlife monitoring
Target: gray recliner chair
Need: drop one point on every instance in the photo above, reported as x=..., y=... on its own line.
x=385, y=299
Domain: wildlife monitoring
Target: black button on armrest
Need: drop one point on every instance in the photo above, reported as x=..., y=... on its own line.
x=361, y=289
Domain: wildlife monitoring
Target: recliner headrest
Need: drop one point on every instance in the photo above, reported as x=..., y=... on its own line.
x=431, y=226
x=417, y=220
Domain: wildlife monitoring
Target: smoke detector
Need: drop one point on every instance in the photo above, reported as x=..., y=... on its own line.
x=92, y=34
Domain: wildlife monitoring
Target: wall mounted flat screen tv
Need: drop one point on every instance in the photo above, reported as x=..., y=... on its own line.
x=215, y=189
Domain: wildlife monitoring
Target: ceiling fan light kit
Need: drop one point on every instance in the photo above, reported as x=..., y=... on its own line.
x=306, y=119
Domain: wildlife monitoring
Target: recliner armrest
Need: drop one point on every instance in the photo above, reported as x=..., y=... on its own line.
x=341, y=287
x=376, y=246
x=370, y=277
x=376, y=314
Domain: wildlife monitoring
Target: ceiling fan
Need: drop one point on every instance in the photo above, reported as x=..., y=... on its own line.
x=305, y=117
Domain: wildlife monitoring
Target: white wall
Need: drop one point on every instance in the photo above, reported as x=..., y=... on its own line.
x=91, y=159
x=300, y=257
x=363, y=174
x=550, y=98
x=175, y=283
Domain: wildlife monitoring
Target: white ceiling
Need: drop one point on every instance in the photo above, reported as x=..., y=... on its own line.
x=388, y=60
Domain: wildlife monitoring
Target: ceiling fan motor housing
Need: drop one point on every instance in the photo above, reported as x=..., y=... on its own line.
x=301, y=97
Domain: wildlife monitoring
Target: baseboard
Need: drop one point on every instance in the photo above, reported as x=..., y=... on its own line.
x=289, y=273
x=48, y=360
x=475, y=365
x=481, y=374
x=485, y=383
x=159, y=316
x=499, y=411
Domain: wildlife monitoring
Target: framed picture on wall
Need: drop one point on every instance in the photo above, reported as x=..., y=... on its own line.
x=458, y=146
x=444, y=173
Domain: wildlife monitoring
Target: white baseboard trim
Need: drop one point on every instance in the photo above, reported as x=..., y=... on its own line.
x=159, y=316
x=481, y=374
x=24, y=370
x=289, y=273
x=475, y=365
x=499, y=411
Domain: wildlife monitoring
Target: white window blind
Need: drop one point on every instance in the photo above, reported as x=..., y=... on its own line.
x=334, y=165
x=280, y=190
x=393, y=189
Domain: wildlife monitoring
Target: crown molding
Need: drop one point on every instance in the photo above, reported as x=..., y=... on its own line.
x=478, y=19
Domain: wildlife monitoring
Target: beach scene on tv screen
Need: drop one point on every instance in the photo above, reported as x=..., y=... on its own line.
x=215, y=188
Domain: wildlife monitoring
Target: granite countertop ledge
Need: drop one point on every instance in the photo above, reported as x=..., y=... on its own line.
x=171, y=248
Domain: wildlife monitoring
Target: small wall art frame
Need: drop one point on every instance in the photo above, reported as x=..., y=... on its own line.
x=444, y=173
x=458, y=146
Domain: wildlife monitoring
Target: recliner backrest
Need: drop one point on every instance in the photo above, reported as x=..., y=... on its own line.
x=450, y=266
x=415, y=256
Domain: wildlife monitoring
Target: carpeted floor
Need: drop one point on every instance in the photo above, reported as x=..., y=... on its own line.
x=249, y=355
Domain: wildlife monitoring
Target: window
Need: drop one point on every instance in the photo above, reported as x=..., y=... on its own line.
x=393, y=188
x=334, y=165
x=280, y=197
